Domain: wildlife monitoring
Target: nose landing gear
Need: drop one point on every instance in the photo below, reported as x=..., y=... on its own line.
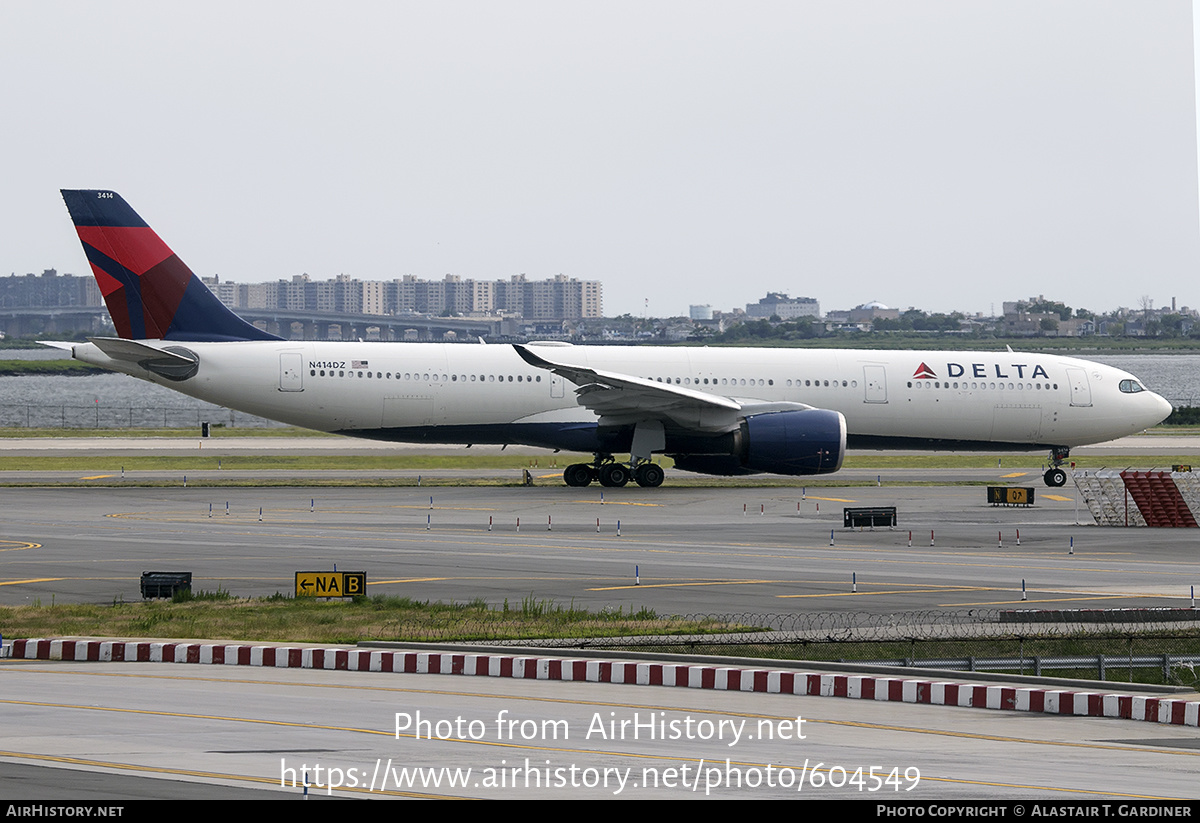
x=1055, y=477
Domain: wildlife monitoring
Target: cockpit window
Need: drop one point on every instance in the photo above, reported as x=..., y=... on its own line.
x=1131, y=386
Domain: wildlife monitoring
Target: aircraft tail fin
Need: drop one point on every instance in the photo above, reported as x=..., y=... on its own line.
x=151, y=294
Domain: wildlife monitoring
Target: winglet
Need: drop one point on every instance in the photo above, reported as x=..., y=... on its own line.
x=532, y=359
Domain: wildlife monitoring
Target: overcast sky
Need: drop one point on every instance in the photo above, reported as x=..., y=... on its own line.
x=945, y=155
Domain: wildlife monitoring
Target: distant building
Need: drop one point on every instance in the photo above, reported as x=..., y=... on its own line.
x=1030, y=324
x=704, y=312
x=784, y=307
x=49, y=290
x=556, y=299
x=870, y=312
x=1076, y=327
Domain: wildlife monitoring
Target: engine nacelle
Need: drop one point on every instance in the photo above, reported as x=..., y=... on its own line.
x=811, y=441
x=725, y=465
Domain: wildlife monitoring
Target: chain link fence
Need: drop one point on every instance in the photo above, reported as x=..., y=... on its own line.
x=1160, y=646
x=96, y=416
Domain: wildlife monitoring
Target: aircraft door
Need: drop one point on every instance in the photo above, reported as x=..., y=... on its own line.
x=556, y=385
x=291, y=371
x=875, y=384
x=1081, y=392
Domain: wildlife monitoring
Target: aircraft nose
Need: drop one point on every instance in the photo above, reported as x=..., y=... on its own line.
x=1162, y=408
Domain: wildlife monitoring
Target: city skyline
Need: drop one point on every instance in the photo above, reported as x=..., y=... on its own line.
x=518, y=297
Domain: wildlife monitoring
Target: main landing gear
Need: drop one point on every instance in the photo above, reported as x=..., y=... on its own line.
x=613, y=474
x=1055, y=477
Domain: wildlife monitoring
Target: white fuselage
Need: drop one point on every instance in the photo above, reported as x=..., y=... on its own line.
x=487, y=393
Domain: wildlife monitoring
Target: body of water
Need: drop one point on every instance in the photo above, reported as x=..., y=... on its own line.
x=1174, y=376
x=108, y=401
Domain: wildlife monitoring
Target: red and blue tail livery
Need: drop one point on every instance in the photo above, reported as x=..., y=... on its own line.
x=151, y=294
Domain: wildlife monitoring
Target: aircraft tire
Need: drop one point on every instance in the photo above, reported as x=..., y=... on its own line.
x=614, y=475
x=1055, y=478
x=649, y=475
x=578, y=475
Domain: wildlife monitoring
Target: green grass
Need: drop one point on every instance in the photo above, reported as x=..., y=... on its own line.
x=275, y=470
x=218, y=615
x=69, y=368
x=281, y=618
x=278, y=469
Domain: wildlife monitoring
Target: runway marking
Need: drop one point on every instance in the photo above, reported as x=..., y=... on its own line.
x=98, y=477
x=598, y=752
x=244, y=778
x=194, y=716
x=681, y=585
x=945, y=590
x=831, y=499
x=1055, y=600
x=397, y=506
x=1014, y=474
x=477, y=543
x=621, y=503
x=1057, y=497
x=419, y=537
x=245, y=513
x=409, y=580
x=501, y=744
x=18, y=545
x=34, y=580
x=320, y=789
x=607, y=704
x=598, y=703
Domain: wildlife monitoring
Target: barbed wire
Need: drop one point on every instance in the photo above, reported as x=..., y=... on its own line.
x=741, y=628
x=1158, y=646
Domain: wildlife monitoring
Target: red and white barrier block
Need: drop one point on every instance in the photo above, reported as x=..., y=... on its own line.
x=731, y=678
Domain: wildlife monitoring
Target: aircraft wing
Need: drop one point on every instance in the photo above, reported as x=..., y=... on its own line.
x=623, y=399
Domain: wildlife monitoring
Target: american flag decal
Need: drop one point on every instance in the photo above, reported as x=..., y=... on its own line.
x=358, y=364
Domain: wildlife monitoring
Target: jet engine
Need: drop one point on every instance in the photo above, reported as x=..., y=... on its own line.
x=810, y=441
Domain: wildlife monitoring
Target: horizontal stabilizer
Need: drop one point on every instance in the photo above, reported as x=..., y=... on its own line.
x=133, y=351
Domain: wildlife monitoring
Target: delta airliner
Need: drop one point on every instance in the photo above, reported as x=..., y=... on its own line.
x=713, y=410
